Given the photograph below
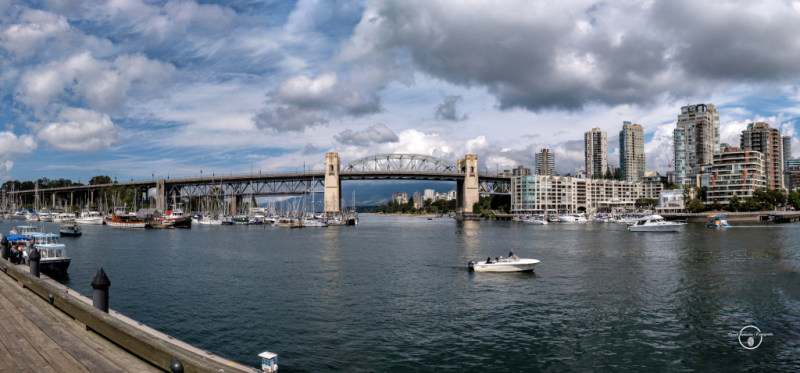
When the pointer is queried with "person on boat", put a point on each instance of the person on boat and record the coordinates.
(489, 260)
(511, 255)
(496, 260)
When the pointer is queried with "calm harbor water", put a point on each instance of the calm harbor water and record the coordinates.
(394, 294)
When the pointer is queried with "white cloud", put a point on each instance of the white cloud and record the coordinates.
(80, 130)
(172, 19)
(106, 85)
(12, 145)
(33, 30)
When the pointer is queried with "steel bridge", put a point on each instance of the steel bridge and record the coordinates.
(236, 186)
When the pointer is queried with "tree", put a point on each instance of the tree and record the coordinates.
(734, 204)
(100, 179)
(695, 206)
(476, 208)
(617, 173)
(794, 199)
(608, 175)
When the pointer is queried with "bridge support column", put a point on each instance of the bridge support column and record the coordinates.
(71, 199)
(54, 200)
(161, 196)
(333, 190)
(235, 200)
(467, 190)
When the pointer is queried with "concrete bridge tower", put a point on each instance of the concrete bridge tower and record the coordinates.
(467, 190)
(333, 190)
(161, 196)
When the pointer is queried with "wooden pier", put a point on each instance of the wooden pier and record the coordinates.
(67, 334)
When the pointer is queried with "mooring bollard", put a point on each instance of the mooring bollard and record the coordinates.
(176, 366)
(4, 246)
(33, 259)
(100, 283)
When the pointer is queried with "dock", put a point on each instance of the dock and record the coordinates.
(67, 334)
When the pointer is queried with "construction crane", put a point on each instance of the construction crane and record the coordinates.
(669, 161)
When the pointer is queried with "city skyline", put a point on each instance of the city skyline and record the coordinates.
(132, 89)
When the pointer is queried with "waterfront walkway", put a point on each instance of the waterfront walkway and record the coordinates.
(37, 337)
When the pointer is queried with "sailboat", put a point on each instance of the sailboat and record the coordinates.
(311, 219)
(209, 219)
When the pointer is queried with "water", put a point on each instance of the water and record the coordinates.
(394, 294)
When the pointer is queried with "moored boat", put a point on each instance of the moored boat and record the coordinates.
(536, 220)
(53, 255)
(125, 221)
(177, 219)
(90, 218)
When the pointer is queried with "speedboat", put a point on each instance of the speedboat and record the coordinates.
(504, 265)
(90, 218)
(655, 223)
(717, 221)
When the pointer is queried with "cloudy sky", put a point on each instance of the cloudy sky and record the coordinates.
(130, 88)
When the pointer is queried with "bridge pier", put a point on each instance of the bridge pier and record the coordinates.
(235, 200)
(333, 189)
(467, 191)
(161, 196)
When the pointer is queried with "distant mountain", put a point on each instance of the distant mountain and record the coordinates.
(374, 193)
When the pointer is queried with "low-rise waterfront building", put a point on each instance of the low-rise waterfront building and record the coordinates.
(670, 201)
(735, 172)
(539, 194)
(792, 175)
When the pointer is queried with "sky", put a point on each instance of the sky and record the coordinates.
(133, 89)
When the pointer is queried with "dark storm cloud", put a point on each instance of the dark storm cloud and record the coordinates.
(565, 55)
(447, 109)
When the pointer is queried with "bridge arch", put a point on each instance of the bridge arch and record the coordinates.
(402, 162)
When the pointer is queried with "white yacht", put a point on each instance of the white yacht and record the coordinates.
(45, 216)
(31, 216)
(90, 218)
(504, 265)
(311, 222)
(209, 220)
(536, 220)
(572, 218)
(655, 223)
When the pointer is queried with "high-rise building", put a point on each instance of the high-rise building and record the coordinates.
(596, 152)
(631, 151)
(545, 163)
(696, 139)
(418, 203)
(767, 140)
(787, 148)
(429, 194)
(735, 172)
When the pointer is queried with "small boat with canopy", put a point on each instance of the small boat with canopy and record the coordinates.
(717, 221)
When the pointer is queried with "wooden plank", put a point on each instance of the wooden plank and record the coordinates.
(67, 334)
(55, 356)
(8, 362)
(19, 347)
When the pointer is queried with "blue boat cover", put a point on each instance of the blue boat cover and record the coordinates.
(16, 237)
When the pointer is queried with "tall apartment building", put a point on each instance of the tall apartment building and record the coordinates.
(520, 171)
(787, 148)
(418, 202)
(631, 151)
(545, 163)
(696, 139)
(596, 152)
(429, 194)
(735, 172)
(767, 140)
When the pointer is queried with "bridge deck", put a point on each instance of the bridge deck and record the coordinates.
(37, 337)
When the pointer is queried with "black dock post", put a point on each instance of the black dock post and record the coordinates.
(33, 261)
(4, 246)
(176, 366)
(100, 283)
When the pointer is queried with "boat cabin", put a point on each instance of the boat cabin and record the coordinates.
(27, 230)
(716, 221)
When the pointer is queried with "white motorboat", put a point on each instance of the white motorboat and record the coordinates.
(45, 216)
(209, 220)
(504, 265)
(90, 218)
(655, 223)
(553, 219)
(70, 228)
(574, 218)
(535, 221)
(310, 222)
(32, 216)
(53, 254)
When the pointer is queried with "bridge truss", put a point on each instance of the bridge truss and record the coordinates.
(401, 162)
(289, 187)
